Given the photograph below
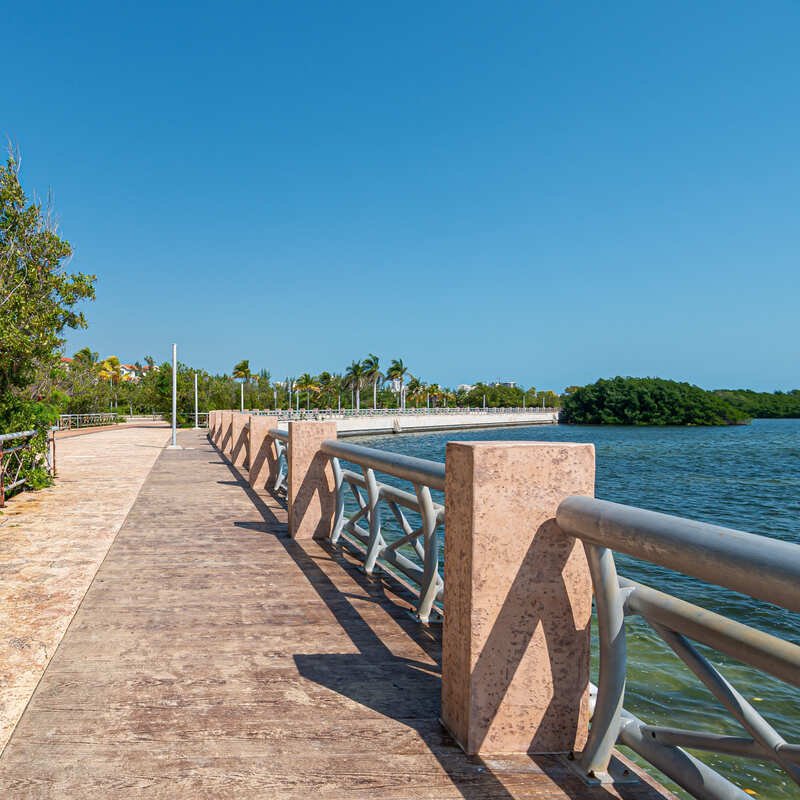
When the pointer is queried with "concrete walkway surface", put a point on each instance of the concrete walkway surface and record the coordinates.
(51, 544)
(214, 657)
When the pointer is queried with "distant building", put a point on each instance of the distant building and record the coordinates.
(465, 387)
(65, 362)
(506, 384)
(129, 372)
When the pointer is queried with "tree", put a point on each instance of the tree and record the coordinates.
(38, 297)
(416, 390)
(397, 372)
(305, 383)
(111, 372)
(242, 373)
(242, 370)
(647, 401)
(372, 372)
(354, 379)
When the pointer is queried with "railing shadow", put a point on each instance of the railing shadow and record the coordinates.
(408, 690)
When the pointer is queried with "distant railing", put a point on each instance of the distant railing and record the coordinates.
(414, 552)
(763, 568)
(13, 449)
(68, 422)
(332, 413)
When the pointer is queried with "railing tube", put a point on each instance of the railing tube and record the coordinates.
(613, 652)
(375, 539)
(430, 576)
(338, 520)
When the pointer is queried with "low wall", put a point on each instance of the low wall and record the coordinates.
(352, 426)
(408, 423)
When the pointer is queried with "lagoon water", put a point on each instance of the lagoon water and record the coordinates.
(745, 477)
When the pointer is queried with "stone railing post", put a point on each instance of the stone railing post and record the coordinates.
(311, 489)
(212, 425)
(263, 458)
(517, 598)
(226, 433)
(239, 439)
(214, 432)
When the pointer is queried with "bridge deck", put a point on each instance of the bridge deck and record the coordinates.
(214, 657)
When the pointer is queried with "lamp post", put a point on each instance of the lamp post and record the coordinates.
(196, 416)
(174, 445)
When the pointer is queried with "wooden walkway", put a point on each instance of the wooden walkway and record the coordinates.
(213, 657)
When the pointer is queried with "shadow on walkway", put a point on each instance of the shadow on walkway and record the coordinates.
(405, 689)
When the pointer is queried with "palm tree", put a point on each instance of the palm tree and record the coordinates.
(305, 383)
(242, 372)
(86, 358)
(354, 378)
(110, 371)
(416, 390)
(397, 372)
(372, 372)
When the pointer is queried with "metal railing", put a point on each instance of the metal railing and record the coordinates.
(13, 449)
(763, 568)
(414, 551)
(70, 421)
(281, 454)
(344, 413)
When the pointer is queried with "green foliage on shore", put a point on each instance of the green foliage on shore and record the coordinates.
(647, 401)
(763, 405)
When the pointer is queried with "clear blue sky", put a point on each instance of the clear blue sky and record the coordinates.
(550, 192)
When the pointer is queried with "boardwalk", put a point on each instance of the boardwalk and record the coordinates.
(213, 657)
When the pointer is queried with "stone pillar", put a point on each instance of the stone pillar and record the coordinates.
(263, 458)
(239, 443)
(517, 598)
(311, 489)
(225, 434)
(212, 425)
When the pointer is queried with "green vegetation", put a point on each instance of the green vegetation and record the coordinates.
(38, 300)
(763, 405)
(647, 401)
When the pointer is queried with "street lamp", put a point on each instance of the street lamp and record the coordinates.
(174, 445)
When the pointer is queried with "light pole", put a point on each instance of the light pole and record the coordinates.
(174, 445)
(196, 426)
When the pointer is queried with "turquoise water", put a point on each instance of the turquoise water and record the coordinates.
(745, 477)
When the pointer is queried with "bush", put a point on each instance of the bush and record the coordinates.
(647, 401)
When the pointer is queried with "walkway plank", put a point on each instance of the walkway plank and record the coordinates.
(213, 657)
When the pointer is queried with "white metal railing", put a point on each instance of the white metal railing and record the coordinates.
(766, 569)
(344, 413)
(69, 421)
(17, 454)
(763, 568)
(413, 551)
